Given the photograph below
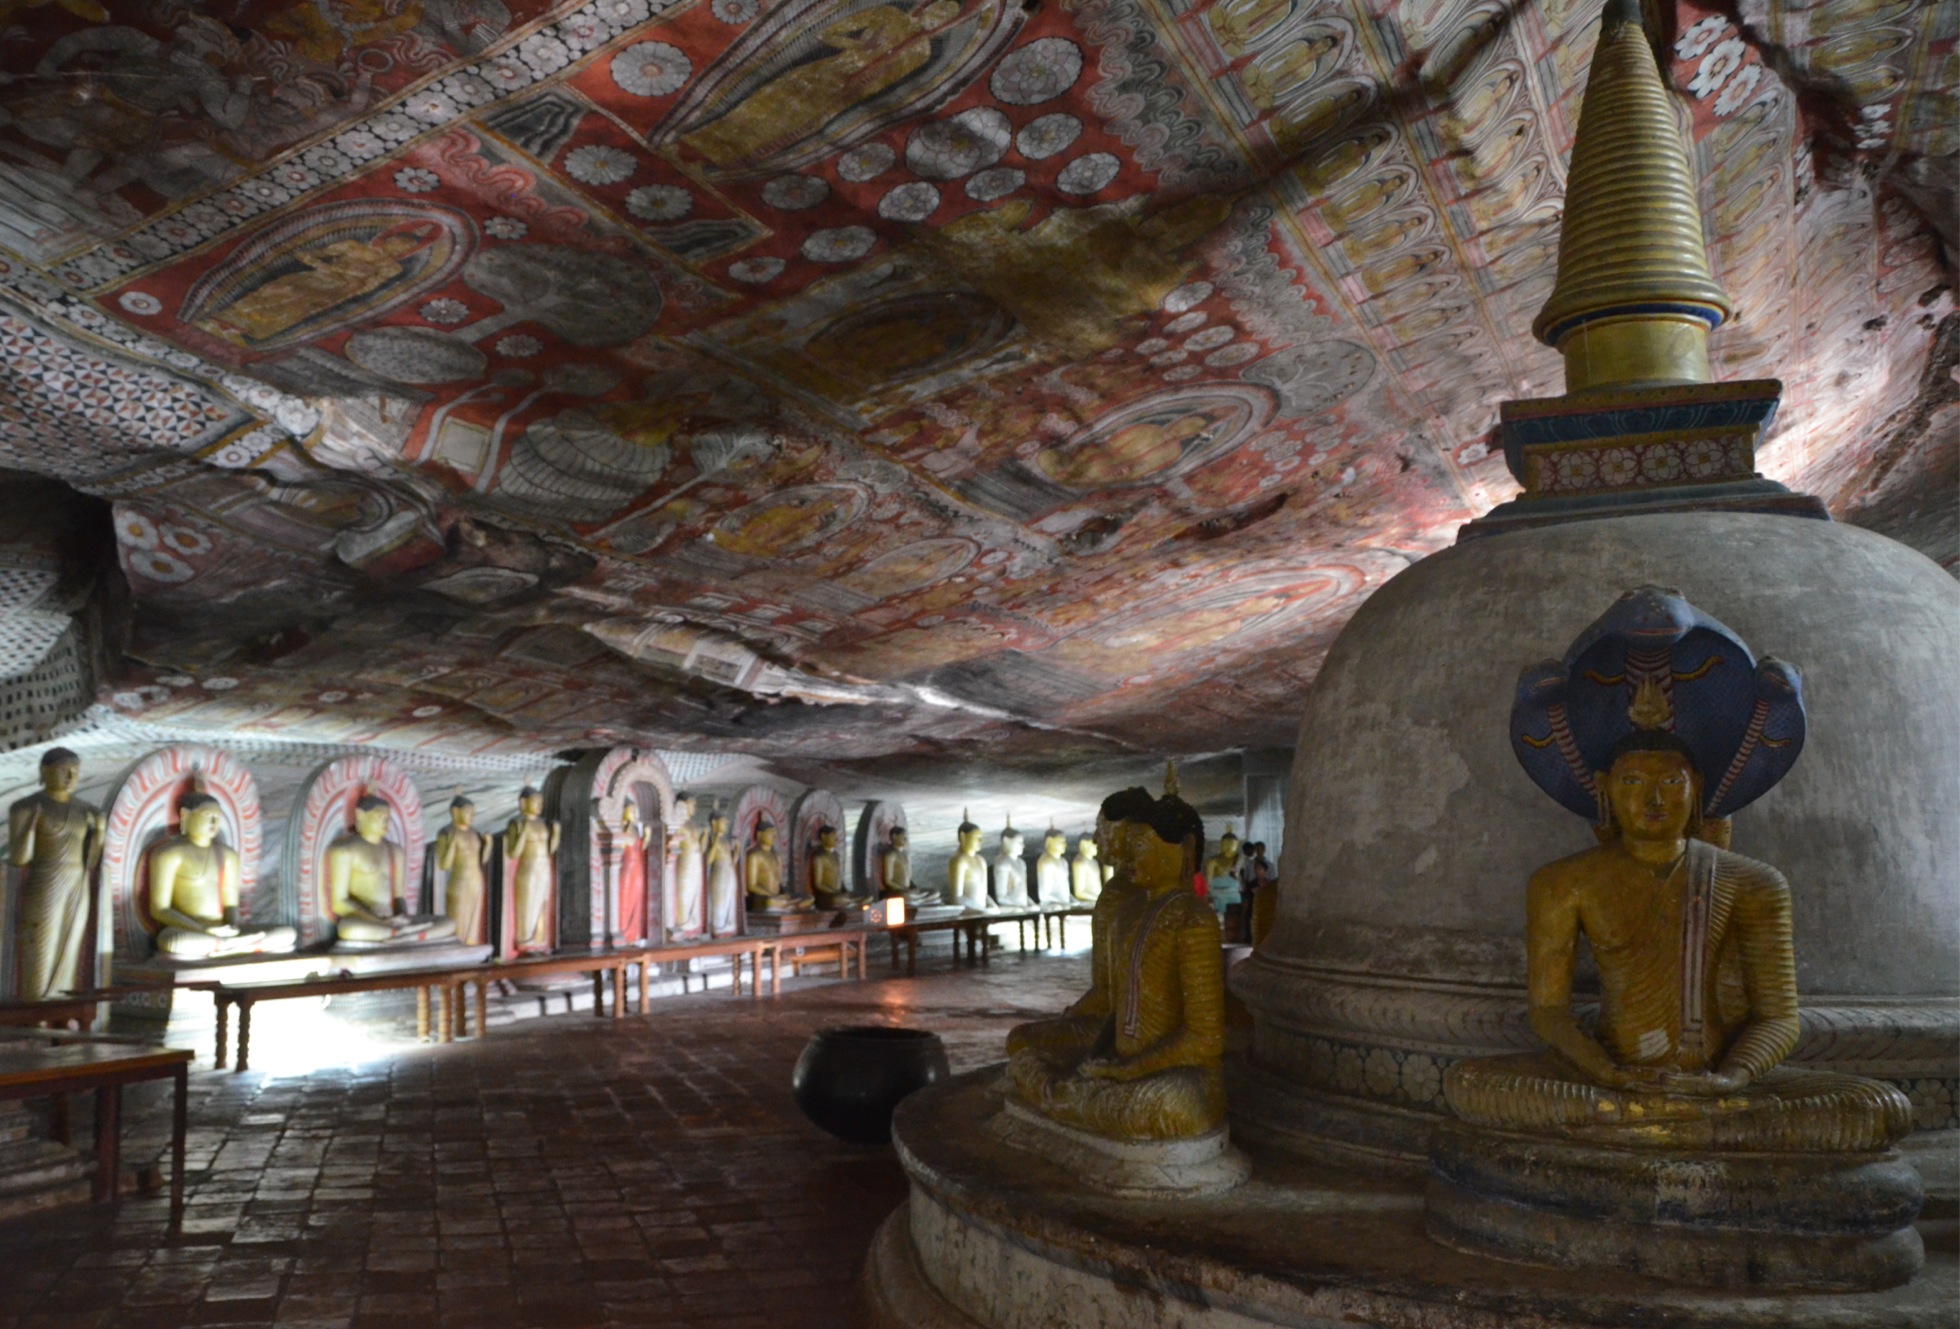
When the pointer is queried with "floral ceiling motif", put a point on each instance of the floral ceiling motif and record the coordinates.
(832, 378)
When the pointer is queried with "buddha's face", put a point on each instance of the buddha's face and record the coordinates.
(1085, 847)
(969, 842)
(1011, 843)
(765, 837)
(898, 841)
(1652, 794)
(1228, 846)
(1055, 844)
(718, 825)
(461, 815)
(683, 810)
(629, 812)
(371, 824)
(201, 823)
(60, 778)
(532, 805)
(1152, 860)
(827, 840)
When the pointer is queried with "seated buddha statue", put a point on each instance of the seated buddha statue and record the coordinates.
(366, 880)
(827, 872)
(1086, 875)
(762, 875)
(895, 871)
(1010, 870)
(1698, 992)
(194, 882)
(1669, 1138)
(1051, 876)
(1222, 873)
(1066, 1038)
(966, 872)
(1154, 1070)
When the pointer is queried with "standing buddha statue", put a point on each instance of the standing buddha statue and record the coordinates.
(723, 891)
(530, 860)
(463, 857)
(687, 887)
(56, 841)
(1222, 873)
(633, 839)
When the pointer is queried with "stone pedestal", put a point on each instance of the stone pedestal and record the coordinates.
(1742, 1221)
(994, 1237)
(1205, 1165)
(37, 1174)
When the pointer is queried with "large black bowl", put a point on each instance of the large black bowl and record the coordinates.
(849, 1080)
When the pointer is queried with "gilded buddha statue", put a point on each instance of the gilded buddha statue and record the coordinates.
(1051, 875)
(762, 875)
(194, 891)
(827, 872)
(531, 863)
(1066, 1038)
(1657, 725)
(1155, 1068)
(1086, 875)
(367, 879)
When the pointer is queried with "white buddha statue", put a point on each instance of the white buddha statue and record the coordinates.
(1011, 870)
(966, 872)
(1051, 872)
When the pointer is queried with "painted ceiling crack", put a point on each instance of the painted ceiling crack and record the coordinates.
(837, 379)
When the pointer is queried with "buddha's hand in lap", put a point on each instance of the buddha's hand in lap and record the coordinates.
(1703, 1084)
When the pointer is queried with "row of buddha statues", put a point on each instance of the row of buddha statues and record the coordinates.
(1656, 727)
(979, 885)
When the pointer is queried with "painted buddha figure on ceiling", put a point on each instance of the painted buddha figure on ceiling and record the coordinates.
(367, 884)
(194, 891)
(1154, 1070)
(1644, 725)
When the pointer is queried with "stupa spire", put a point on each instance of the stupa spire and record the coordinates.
(1634, 300)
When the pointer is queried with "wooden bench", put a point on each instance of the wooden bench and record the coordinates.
(78, 1007)
(755, 948)
(56, 1072)
(845, 941)
(245, 995)
(601, 963)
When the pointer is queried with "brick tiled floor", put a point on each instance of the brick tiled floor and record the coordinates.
(565, 1172)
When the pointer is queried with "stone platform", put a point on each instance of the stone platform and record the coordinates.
(993, 1238)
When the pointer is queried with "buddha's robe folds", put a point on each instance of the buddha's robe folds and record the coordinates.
(1699, 975)
(1163, 1042)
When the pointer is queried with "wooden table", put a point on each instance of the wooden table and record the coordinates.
(52, 1010)
(245, 995)
(105, 1068)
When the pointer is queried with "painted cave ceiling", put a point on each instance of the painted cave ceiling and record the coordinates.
(841, 379)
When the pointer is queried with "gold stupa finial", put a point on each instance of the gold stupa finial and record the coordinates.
(1634, 300)
(1170, 779)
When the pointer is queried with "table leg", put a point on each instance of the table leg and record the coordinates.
(445, 1016)
(179, 1128)
(422, 1014)
(224, 1018)
(108, 1141)
(482, 1005)
(619, 991)
(775, 971)
(598, 994)
(985, 936)
(244, 1034)
(644, 966)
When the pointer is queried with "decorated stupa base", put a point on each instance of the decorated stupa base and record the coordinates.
(1665, 448)
(995, 1238)
(1716, 1219)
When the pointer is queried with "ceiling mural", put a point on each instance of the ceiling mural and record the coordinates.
(839, 378)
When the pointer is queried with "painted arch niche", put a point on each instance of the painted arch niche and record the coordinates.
(597, 859)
